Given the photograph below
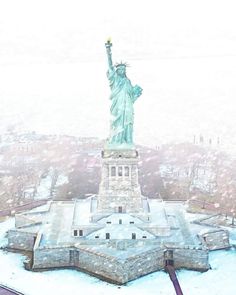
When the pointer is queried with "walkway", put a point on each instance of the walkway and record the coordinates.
(8, 291)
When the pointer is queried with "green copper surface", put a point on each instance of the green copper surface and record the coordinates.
(123, 95)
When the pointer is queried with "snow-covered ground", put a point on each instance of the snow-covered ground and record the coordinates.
(44, 188)
(62, 179)
(45, 185)
(220, 280)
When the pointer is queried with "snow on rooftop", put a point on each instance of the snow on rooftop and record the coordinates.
(40, 209)
(115, 219)
(158, 214)
(57, 229)
(82, 212)
(121, 231)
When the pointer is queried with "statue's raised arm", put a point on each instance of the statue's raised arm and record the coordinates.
(108, 45)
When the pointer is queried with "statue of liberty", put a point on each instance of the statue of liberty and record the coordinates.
(123, 95)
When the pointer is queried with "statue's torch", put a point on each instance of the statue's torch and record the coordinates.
(108, 43)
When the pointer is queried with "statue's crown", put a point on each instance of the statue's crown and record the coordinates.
(121, 64)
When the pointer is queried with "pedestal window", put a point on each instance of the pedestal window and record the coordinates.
(113, 171)
(127, 171)
(120, 209)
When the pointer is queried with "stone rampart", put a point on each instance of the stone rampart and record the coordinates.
(21, 240)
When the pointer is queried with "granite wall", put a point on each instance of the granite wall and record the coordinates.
(113, 268)
(21, 240)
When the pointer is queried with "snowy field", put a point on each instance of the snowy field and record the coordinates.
(218, 281)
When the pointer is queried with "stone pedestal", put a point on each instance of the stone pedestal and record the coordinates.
(119, 189)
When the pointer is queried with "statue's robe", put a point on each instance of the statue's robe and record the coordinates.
(122, 111)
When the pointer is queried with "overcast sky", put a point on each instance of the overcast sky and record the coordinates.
(182, 53)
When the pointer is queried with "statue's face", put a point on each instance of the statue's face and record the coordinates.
(121, 71)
